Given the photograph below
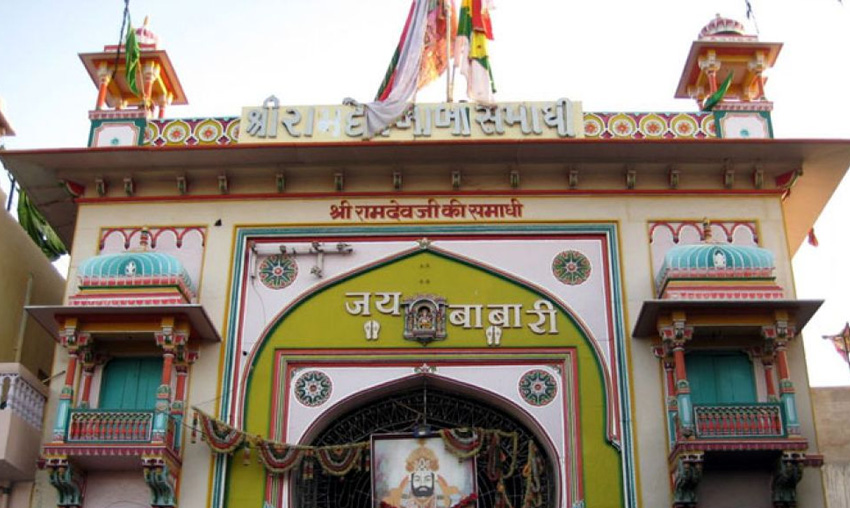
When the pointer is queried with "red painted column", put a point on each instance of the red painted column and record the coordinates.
(85, 396)
(167, 366)
(768, 380)
(71, 372)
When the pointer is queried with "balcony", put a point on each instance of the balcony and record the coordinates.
(759, 429)
(102, 439)
(22, 399)
(739, 421)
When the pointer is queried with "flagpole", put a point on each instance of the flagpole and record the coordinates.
(449, 63)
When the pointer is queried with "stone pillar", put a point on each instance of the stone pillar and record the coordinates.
(710, 66)
(104, 77)
(77, 344)
(778, 336)
(173, 343)
(674, 338)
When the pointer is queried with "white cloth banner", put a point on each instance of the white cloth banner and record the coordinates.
(379, 115)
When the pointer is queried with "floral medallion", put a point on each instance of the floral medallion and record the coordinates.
(622, 126)
(684, 126)
(571, 267)
(593, 125)
(278, 271)
(313, 388)
(653, 126)
(538, 387)
(176, 132)
(208, 131)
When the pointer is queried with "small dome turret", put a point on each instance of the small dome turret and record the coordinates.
(716, 271)
(137, 278)
(720, 26)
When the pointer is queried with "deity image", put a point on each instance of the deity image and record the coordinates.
(423, 486)
(424, 319)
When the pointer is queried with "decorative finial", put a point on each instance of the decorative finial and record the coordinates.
(144, 237)
(148, 19)
(706, 230)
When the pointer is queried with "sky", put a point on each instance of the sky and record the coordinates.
(614, 55)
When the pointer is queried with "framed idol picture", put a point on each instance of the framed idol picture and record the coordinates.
(418, 472)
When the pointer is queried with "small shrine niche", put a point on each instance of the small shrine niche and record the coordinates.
(425, 319)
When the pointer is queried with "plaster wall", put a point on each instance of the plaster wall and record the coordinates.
(20, 261)
(831, 406)
(735, 489)
(116, 489)
(18, 447)
(21, 495)
(631, 213)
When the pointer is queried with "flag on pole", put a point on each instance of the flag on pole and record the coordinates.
(717, 96)
(473, 31)
(132, 55)
(402, 78)
(435, 57)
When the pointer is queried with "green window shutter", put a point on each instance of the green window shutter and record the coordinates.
(130, 383)
(720, 378)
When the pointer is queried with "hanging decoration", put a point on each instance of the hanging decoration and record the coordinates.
(532, 473)
(339, 460)
(462, 443)
(279, 458)
(221, 437)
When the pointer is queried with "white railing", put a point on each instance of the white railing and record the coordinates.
(21, 393)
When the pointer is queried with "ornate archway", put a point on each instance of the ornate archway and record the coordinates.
(422, 408)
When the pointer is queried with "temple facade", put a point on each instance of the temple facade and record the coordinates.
(521, 305)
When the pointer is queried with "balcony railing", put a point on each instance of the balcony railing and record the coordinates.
(21, 393)
(737, 421)
(103, 426)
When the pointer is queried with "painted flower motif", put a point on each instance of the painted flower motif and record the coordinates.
(590, 128)
(176, 134)
(571, 267)
(313, 388)
(278, 271)
(538, 387)
(653, 128)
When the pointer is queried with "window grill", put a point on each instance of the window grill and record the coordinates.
(404, 412)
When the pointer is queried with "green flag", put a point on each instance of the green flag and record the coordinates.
(717, 96)
(132, 55)
(38, 228)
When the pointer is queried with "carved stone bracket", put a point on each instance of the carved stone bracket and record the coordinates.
(686, 477)
(67, 480)
(788, 473)
(161, 479)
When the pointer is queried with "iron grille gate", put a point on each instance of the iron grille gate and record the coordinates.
(401, 413)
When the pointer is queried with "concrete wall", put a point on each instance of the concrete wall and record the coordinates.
(21, 262)
(832, 416)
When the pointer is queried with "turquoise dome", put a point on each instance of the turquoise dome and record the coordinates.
(133, 265)
(717, 259)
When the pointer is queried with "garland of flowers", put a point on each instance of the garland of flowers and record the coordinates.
(339, 460)
(221, 437)
(279, 458)
(532, 473)
(462, 443)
